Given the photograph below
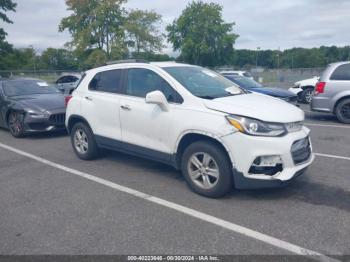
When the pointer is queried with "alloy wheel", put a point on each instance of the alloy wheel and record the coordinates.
(15, 124)
(203, 170)
(81, 142)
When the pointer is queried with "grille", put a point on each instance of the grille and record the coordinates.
(58, 119)
(301, 150)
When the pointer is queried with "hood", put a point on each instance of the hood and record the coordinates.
(41, 103)
(257, 106)
(273, 91)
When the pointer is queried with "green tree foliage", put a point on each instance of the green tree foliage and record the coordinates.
(94, 24)
(58, 59)
(5, 6)
(143, 31)
(201, 35)
(107, 26)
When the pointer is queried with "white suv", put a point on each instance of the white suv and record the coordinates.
(192, 118)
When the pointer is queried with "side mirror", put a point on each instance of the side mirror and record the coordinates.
(158, 98)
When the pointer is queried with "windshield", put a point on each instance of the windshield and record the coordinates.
(202, 82)
(244, 82)
(27, 87)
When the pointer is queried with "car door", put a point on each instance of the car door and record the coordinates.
(101, 103)
(145, 127)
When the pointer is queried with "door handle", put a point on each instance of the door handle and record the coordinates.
(125, 107)
(88, 98)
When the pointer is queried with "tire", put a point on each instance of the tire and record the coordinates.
(83, 142)
(198, 178)
(15, 124)
(342, 111)
(306, 96)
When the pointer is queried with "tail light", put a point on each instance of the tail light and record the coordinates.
(66, 100)
(320, 86)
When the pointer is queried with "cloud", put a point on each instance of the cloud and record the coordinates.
(269, 24)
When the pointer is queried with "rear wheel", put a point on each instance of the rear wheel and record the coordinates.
(15, 124)
(342, 111)
(306, 95)
(207, 169)
(83, 142)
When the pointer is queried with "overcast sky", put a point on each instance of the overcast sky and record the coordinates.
(269, 24)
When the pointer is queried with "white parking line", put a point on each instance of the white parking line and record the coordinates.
(324, 125)
(333, 156)
(183, 209)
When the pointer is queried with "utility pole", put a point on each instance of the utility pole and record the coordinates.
(34, 63)
(257, 54)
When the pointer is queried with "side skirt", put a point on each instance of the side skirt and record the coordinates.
(116, 145)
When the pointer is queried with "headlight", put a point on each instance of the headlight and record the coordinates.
(35, 114)
(256, 127)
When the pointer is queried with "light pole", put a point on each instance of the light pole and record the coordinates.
(34, 64)
(257, 54)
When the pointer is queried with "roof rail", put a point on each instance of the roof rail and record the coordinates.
(126, 61)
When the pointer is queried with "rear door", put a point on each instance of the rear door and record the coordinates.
(101, 103)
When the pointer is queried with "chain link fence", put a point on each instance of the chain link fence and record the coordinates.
(275, 77)
(48, 75)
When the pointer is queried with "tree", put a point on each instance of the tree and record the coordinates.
(202, 36)
(5, 6)
(142, 31)
(94, 24)
(58, 59)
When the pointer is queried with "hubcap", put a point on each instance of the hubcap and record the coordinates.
(203, 170)
(81, 143)
(346, 111)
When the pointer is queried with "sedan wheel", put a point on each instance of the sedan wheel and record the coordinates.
(203, 170)
(15, 124)
(306, 96)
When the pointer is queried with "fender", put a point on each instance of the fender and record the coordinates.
(204, 133)
(69, 127)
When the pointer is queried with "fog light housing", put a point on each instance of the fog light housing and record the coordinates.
(266, 165)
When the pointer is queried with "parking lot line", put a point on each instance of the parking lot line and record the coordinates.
(180, 208)
(323, 125)
(333, 156)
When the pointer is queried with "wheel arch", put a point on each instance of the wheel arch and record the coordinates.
(193, 136)
(339, 100)
(73, 119)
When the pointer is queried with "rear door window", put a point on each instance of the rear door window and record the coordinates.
(341, 73)
(108, 81)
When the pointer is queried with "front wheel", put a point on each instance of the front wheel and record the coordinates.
(83, 142)
(207, 169)
(306, 96)
(15, 124)
(342, 111)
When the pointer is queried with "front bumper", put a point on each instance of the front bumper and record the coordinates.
(244, 150)
(48, 122)
(295, 90)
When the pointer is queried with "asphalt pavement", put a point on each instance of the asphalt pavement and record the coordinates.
(50, 210)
